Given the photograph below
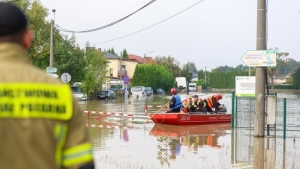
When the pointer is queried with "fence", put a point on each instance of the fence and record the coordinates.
(284, 135)
(131, 117)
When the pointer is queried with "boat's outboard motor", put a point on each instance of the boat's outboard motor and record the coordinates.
(223, 110)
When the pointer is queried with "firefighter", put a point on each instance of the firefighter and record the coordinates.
(186, 104)
(175, 102)
(212, 103)
(41, 125)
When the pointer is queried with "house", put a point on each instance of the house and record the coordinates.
(279, 80)
(118, 68)
(140, 59)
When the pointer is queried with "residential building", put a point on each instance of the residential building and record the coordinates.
(118, 68)
(141, 60)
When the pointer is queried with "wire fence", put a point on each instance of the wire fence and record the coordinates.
(283, 139)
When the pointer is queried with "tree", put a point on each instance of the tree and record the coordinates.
(170, 63)
(187, 73)
(281, 60)
(112, 51)
(96, 71)
(296, 78)
(125, 54)
(154, 75)
(69, 58)
(191, 67)
(39, 50)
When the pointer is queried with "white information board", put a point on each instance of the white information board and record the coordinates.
(245, 86)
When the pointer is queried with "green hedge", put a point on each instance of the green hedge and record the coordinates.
(282, 87)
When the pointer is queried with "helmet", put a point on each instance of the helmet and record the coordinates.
(173, 91)
(219, 96)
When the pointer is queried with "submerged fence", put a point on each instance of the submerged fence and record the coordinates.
(287, 115)
(284, 137)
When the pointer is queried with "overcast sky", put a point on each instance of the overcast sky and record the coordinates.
(212, 33)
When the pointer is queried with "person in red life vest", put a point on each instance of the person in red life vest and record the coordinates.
(175, 102)
(186, 103)
(212, 103)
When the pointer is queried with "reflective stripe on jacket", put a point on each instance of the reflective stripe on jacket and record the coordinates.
(209, 101)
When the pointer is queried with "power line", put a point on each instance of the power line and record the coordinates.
(148, 26)
(108, 25)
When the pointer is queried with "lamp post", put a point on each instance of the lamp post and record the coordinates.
(145, 56)
(51, 40)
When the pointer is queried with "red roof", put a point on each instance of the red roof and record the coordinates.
(140, 59)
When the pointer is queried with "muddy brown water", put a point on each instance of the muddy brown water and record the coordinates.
(129, 142)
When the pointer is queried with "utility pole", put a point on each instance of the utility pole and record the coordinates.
(51, 44)
(205, 76)
(121, 71)
(259, 114)
(51, 40)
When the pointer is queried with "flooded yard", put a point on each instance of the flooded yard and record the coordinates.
(135, 142)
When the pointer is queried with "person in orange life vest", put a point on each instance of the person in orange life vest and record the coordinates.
(186, 103)
(175, 102)
(213, 103)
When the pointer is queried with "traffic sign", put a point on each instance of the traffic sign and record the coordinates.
(51, 70)
(52, 75)
(65, 77)
(260, 58)
(126, 79)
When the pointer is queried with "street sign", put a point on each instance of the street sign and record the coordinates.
(126, 79)
(51, 70)
(260, 58)
(65, 77)
(245, 86)
(52, 75)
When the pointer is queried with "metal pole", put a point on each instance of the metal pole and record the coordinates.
(205, 76)
(284, 118)
(249, 71)
(259, 114)
(51, 44)
(121, 71)
(232, 109)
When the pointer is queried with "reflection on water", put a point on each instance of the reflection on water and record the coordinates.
(176, 142)
(146, 145)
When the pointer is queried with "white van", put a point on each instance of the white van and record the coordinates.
(138, 92)
(181, 83)
(192, 87)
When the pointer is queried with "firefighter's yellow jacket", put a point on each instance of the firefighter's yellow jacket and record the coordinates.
(41, 126)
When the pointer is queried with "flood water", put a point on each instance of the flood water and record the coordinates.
(134, 142)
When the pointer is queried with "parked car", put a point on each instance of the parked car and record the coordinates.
(138, 92)
(159, 91)
(106, 94)
(193, 87)
(149, 91)
(78, 94)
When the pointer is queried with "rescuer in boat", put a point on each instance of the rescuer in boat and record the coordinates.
(41, 125)
(197, 104)
(175, 102)
(213, 103)
(186, 104)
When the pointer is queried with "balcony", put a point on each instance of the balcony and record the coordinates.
(122, 73)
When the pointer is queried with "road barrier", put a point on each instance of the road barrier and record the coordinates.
(153, 108)
(133, 117)
(110, 126)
